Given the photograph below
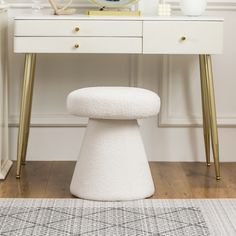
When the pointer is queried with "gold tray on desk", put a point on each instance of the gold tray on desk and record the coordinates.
(114, 8)
(113, 13)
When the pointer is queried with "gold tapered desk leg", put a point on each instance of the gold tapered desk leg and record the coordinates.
(25, 113)
(205, 109)
(213, 119)
(208, 87)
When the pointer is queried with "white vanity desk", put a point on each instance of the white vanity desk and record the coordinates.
(132, 35)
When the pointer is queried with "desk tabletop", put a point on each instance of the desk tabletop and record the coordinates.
(120, 18)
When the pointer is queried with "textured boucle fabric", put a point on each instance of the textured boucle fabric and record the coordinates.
(112, 163)
(113, 103)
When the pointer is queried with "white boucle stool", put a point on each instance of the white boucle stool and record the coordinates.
(112, 164)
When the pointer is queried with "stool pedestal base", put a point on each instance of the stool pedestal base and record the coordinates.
(112, 164)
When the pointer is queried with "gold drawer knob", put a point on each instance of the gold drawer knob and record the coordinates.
(77, 29)
(76, 45)
(183, 38)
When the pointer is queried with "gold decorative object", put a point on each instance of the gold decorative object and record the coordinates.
(113, 13)
(62, 10)
(114, 8)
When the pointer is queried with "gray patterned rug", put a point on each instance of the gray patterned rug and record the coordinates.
(148, 217)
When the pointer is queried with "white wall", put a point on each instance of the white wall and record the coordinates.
(176, 137)
(5, 163)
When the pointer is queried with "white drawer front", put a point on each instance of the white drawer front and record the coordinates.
(84, 45)
(77, 28)
(181, 37)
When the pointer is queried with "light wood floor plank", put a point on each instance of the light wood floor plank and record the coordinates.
(172, 180)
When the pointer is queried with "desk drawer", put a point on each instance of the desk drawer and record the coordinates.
(77, 28)
(84, 45)
(181, 37)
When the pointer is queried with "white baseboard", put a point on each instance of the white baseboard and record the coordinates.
(6, 166)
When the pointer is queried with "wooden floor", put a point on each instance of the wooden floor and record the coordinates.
(172, 180)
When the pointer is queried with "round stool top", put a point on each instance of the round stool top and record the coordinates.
(113, 103)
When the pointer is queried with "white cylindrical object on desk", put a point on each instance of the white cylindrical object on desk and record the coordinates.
(193, 7)
(164, 9)
(3, 5)
(36, 6)
(148, 7)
